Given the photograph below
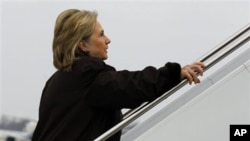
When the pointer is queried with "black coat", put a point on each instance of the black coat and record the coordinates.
(83, 103)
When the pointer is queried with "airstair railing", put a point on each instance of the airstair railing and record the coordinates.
(236, 41)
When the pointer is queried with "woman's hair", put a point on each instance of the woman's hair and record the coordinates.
(71, 27)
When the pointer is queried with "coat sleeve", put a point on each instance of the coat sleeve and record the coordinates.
(126, 89)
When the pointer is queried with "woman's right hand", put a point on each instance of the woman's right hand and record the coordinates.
(191, 72)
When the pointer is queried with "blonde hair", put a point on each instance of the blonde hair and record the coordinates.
(71, 26)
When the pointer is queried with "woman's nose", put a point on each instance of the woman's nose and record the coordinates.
(108, 41)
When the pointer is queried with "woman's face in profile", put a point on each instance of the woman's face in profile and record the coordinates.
(98, 43)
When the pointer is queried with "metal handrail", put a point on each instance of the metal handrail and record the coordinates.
(136, 113)
(210, 54)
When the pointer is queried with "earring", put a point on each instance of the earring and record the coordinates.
(86, 51)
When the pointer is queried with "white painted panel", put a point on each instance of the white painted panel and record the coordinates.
(208, 116)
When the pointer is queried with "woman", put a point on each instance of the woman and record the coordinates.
(84, 98)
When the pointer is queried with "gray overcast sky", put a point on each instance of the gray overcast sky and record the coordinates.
(142, 34)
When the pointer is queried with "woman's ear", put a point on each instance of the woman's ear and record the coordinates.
(83, 46)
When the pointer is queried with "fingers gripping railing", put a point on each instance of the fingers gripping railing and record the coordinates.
(236, 41)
